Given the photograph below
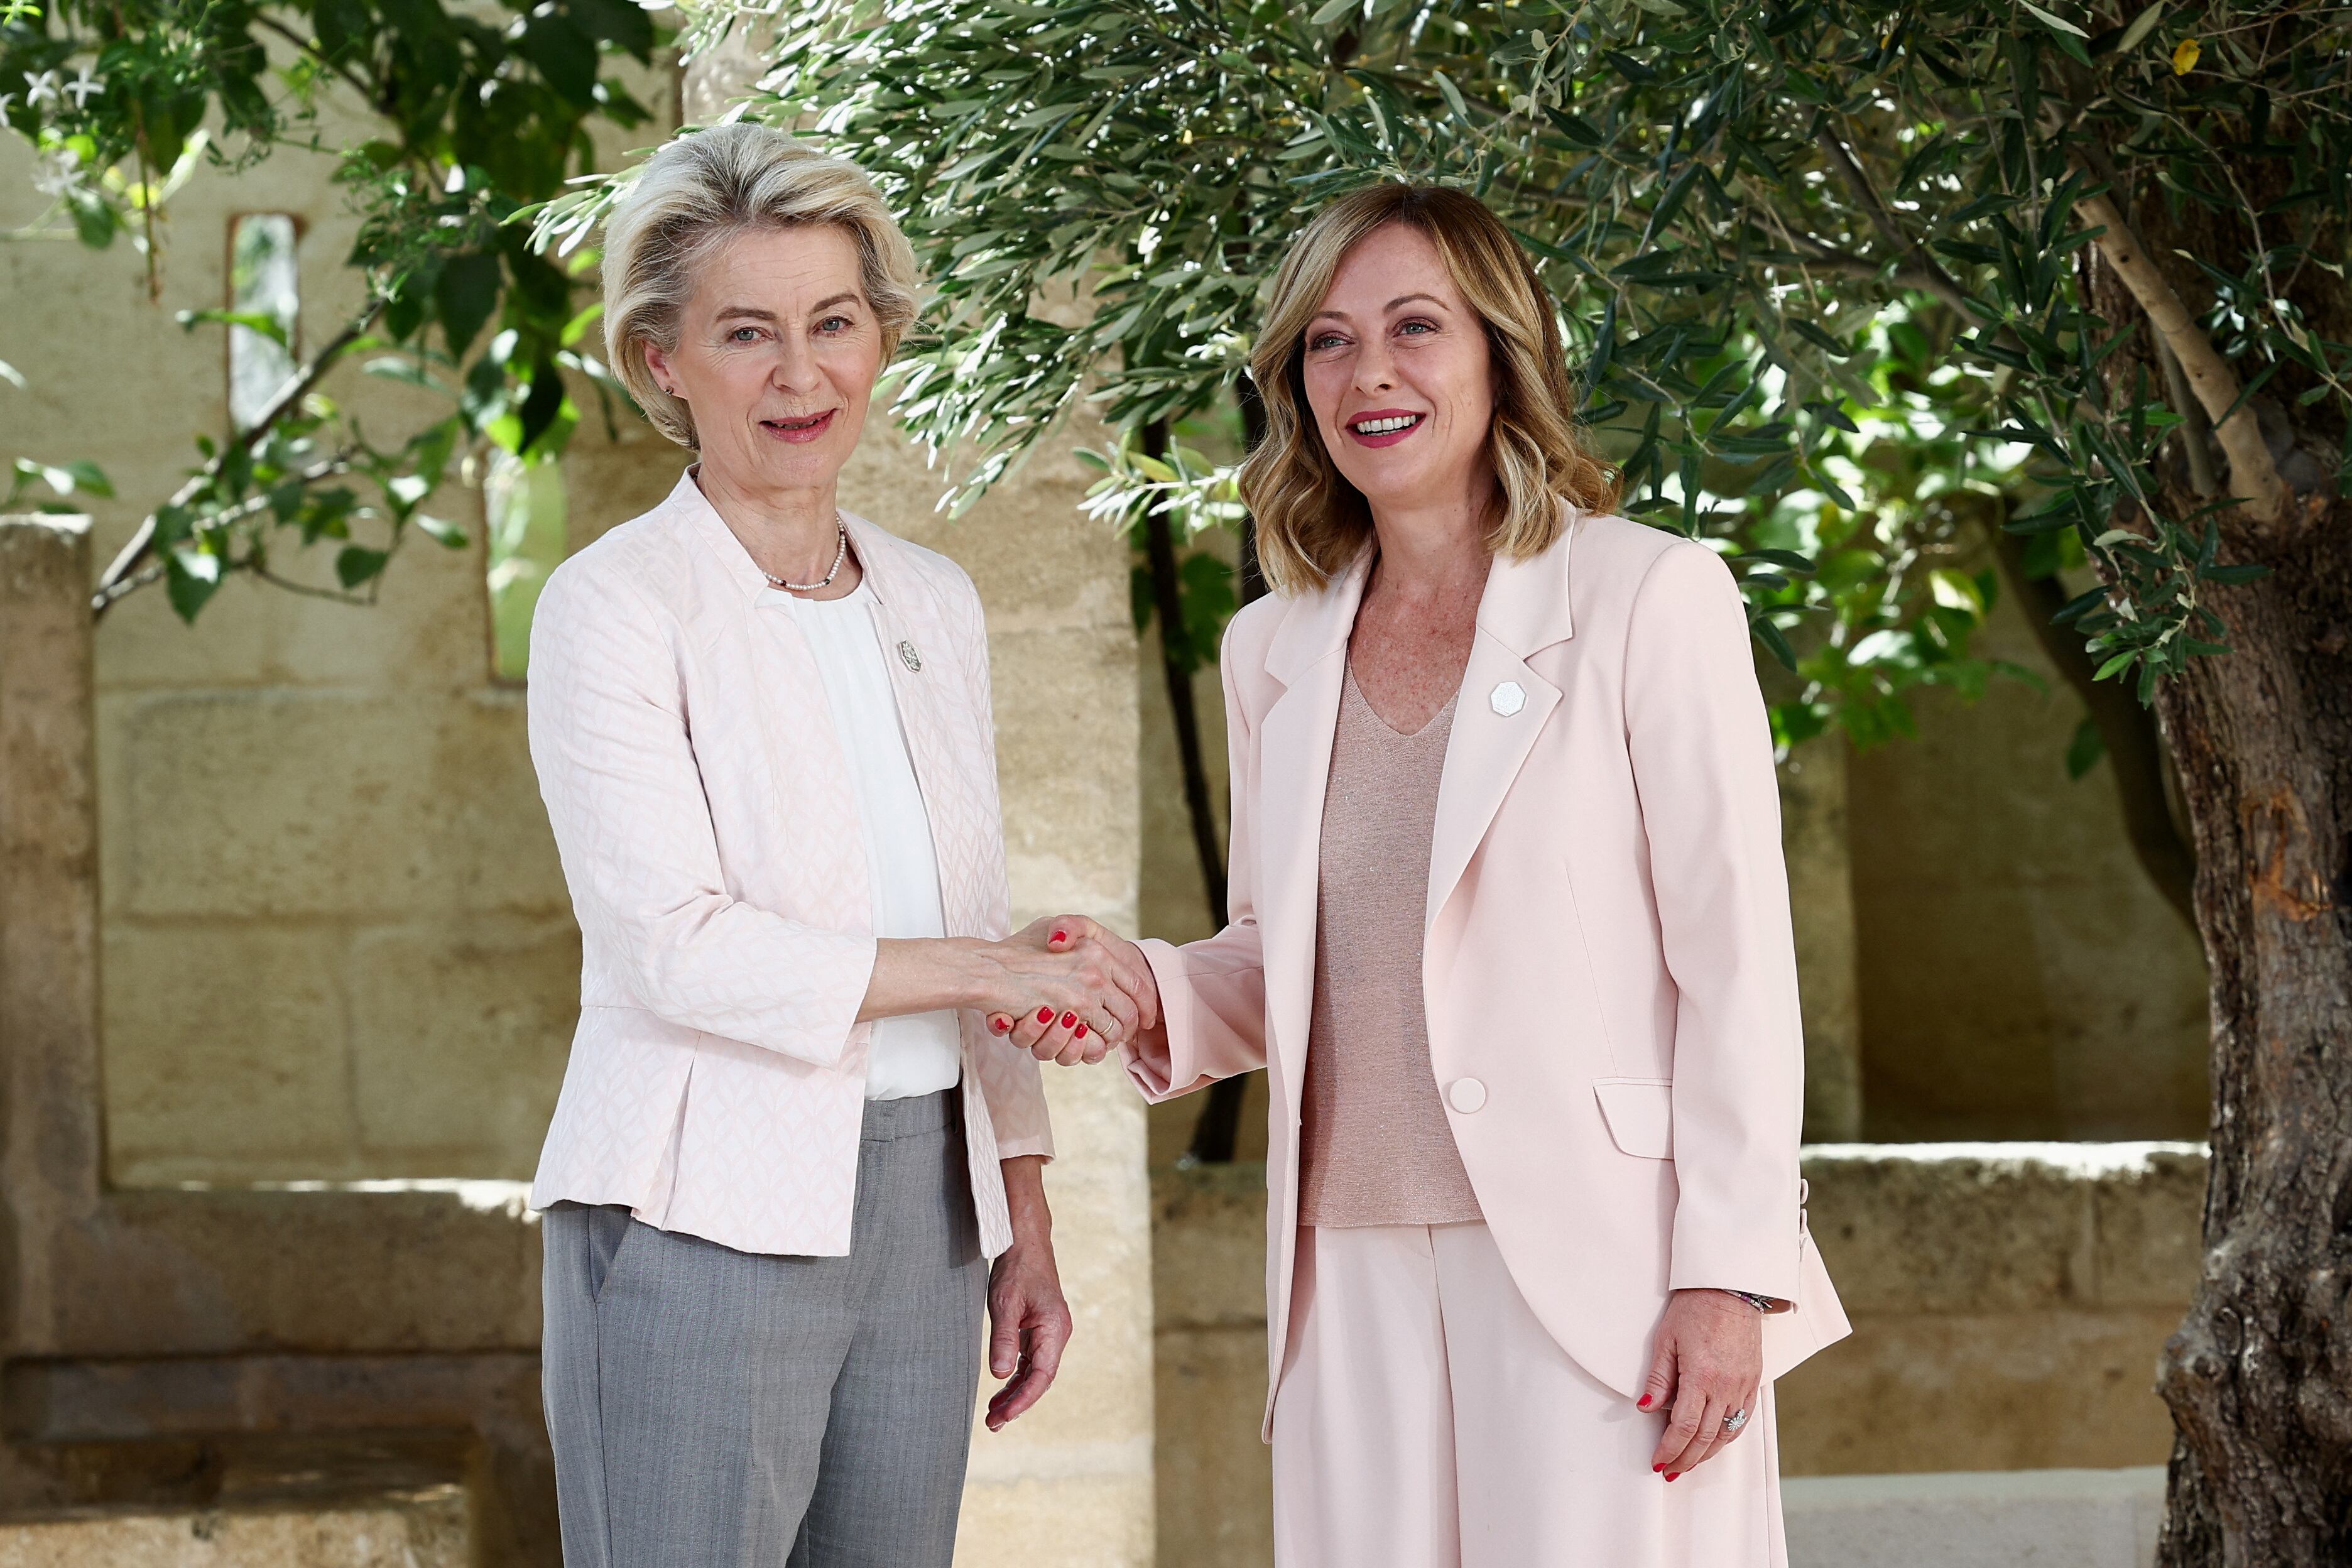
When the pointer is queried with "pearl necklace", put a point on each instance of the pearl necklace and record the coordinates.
(840, 554)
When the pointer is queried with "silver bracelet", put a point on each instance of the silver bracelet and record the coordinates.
(1761, 1303)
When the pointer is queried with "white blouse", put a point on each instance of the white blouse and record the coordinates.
(917, 1053)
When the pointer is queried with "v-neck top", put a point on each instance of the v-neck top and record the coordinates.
(917, 1053)
(1375, 1147)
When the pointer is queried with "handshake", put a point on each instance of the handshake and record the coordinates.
(1068, 990)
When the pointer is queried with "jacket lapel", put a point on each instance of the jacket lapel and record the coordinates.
(1309, 656)
(1504, 706)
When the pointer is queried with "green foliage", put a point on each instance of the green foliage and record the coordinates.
(1206, 586)
(525, 506)
(1184, 485)
(478, 111)
(290, 481)
(27, 476)
(1734, 200)
(1880, 555)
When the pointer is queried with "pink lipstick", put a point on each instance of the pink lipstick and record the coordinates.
(802, 428)
(1384, 426)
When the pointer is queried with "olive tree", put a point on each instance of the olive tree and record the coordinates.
(472, 112)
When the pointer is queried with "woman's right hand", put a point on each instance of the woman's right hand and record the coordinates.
(1073, 990)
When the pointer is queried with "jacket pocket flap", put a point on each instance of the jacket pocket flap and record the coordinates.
(1641, 1114)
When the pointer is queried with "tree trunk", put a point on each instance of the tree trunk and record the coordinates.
(1215, 1131)
(1168, 605)
(2259, 1376)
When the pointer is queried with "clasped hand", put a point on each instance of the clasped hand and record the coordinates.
(1070, 990)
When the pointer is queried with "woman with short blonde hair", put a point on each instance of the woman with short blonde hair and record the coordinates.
(1510, 934)
(799, 1121)
(703, 190)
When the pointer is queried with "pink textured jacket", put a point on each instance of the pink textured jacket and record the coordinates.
(709, 837)
(1609, 971)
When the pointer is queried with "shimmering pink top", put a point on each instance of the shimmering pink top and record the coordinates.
(1374, 1144)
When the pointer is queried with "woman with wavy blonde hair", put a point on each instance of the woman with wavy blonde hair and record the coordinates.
(1511, 932)
(1311, 521)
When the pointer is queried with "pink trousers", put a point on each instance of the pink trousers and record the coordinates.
(1426, 1419)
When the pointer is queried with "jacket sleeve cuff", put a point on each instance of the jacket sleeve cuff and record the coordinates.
(1012, 1087)
(1039, 1143)
(1160, 1062)
(1744, 1265)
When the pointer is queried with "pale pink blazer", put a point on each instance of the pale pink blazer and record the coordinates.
(1610, 978)
(709, 837)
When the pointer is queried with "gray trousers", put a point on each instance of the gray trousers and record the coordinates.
(712, 1409)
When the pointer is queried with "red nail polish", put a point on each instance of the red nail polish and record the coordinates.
(1082, 1031)
(999, 1024)
(1061, 936)
(1044, 1015)
(1644, 1403)
(1676, 1475)
(1069, 1019)
(1656, 1469)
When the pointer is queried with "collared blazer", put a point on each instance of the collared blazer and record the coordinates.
(1608, 968)
(710, 835)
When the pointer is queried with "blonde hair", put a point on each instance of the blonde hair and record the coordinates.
(705, 188)
(1311, 522)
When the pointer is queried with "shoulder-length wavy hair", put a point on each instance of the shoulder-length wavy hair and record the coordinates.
(1311, 522)
(700, 191)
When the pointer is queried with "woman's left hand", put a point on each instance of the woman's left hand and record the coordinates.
(1709, 1363)
(1029, 1320)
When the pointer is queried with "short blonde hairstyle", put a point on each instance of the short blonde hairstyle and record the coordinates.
(704, 188)
(1311, 522)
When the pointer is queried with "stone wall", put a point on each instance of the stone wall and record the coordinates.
(2008, 1301)
(337, 942)
(2018, 976)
